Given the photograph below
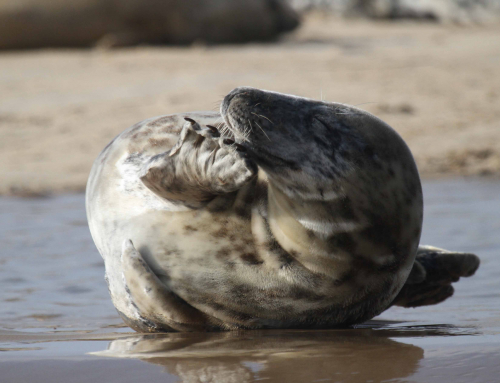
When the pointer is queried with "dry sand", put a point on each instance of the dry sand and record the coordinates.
(437, 85)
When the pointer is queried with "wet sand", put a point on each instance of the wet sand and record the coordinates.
(57, 323)
(438, 85)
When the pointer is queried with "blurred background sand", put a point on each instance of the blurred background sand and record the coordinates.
(436, 83)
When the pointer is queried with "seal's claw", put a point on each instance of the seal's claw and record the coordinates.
(214, 131)
(189, 132)
(193, 124)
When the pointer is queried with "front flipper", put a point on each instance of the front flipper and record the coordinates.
(433, 273)
(159, 308)
(201, 166)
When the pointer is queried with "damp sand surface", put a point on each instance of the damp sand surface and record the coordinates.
(57, 323)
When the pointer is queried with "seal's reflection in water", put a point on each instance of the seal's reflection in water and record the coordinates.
(353, 355)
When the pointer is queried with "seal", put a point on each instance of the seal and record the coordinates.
(277, 212)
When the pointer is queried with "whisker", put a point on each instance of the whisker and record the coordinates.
(262, 117)
(262, 130)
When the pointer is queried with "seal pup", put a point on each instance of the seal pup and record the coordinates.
(284, 213)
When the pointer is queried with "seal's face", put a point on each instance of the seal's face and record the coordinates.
(278, 135)
(290, 135)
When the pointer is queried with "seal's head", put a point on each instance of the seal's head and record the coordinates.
(312, 140)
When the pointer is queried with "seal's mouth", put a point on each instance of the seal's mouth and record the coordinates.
(226, 131)
(235, 129)
(238, 125)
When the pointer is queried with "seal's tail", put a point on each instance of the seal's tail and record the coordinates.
(433, 273)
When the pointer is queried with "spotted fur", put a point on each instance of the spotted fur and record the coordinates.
(279, 212)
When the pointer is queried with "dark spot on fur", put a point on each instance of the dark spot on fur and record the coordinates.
(223, 253)
(243, 211)
(190, 229)
(285, 259)
(299, 293)
(242, 291)
(154, 142)
(173, 251)
(344, 278)
(162, 121)
(221, 233)
(135, 127)
(251, 259)
(310, 234)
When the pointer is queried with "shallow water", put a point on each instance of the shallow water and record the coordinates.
(57, 323)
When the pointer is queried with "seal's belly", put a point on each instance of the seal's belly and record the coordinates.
(211, 261)
(215, 263)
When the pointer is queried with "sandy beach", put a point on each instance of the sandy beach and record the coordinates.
(437, 85)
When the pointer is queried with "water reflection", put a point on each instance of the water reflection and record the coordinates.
(355, 355)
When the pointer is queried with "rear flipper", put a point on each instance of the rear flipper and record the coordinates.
(433, 273)
(159, 309)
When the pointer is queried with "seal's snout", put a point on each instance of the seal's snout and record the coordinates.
(240, 93)
(242, 112)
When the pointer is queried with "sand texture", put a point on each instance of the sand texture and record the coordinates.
(437, 85)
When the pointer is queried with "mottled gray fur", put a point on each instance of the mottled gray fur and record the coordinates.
(280, 212)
